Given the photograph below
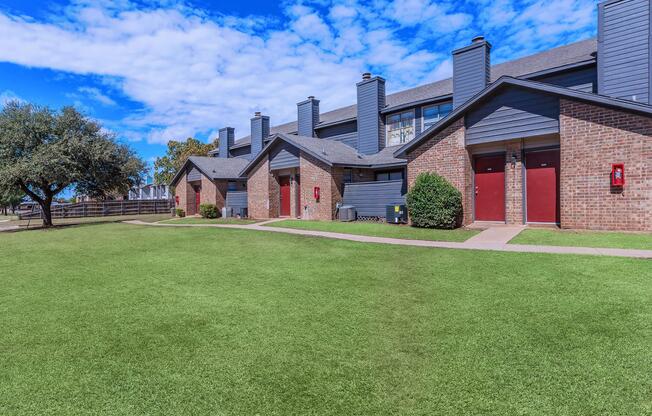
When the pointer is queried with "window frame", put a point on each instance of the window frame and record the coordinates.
(423, 113)
(400, 114)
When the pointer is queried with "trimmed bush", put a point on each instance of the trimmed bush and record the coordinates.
(434, 203)
(180, 212)
(208, 211)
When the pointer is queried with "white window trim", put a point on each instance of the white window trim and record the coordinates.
(414, 125)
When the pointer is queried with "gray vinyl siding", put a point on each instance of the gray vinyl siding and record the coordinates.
(227, 138)
(471, 72)
(417, 121)
(346, 133)
(236, 199)
(241, 152)
(371, 198)
(283, 156)
(585, 79)
(259, 132)
(371, 127)
(194, 175)
(624, 49)
(513, 114)
(307, 117)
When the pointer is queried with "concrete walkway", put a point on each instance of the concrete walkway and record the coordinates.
(492, 240)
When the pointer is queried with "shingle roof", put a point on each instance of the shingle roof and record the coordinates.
(573, 53)
(214, 167)
(331, 152)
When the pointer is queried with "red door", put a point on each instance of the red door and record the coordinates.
(542, 186)
(285, 195)
(197, 198)
(298, 189)
(490, 188)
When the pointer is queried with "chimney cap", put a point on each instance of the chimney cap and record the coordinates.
(311, 97)
(366, 75)
(257, 114)
(477, 39)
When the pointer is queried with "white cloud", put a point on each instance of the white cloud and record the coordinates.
(194, 73)
(7, 96)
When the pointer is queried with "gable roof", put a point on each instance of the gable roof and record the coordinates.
(213, 167)
(330, 152)
(578, 53)
(541, 87)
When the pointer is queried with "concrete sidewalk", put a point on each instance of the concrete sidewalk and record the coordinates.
(493, 240)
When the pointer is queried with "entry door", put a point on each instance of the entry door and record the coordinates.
(490, 188)
(297, 187)
(542, 186)
(197, 198)
(285, 195)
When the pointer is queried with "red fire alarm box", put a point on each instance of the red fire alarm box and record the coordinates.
(176, 199)
(315, 191)
(617, 174)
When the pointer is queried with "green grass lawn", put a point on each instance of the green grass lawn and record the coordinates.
(378, 230)
(117, 319)
(36, 223)
(199, 220)
(584, 239)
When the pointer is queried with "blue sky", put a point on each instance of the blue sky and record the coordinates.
(152, 71)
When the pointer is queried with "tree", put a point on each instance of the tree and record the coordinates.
(178, 152)
(43, 152)
(434, 203)
(10, 197)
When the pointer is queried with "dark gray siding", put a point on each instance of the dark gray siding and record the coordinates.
(624, 49)
(471, 71)
(513, 114)
(371, 126)
(585, 79)
(236, 199)
(346, 133)
(307, 117)
(259, 132)
(194, 174)
(227, 138)
(283, 156)
(371, 198)
(241, 152)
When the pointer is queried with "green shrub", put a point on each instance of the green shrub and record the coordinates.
(434, 203)
(208, 211)
(180, 213)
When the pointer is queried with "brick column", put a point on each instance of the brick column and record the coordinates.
(513, 183)
(316, 173)
(259, 190)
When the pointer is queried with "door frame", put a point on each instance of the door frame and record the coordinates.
(280, 195)
(524, 178)
(475, 156)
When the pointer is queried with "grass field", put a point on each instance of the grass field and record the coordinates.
(36, 223)
(379, 230)
(198, 220)
(117, 319)
(545, 237)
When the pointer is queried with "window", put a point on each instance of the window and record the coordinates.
(400, 128)
(348, 176)
(393, 175)
(233, 186)
(434, 113)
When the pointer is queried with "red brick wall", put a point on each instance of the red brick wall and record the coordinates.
(258, 190)
(592, 138)
(446, 155)
(513, 183)
(315, 173)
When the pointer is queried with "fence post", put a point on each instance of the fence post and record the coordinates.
(122, 207)
(83, 209)
(139, 207)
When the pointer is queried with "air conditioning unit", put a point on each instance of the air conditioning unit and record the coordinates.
(347, 213)
(227, 212)
(396, 214)
(243, 212)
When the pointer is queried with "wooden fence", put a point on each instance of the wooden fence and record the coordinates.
(105, 209)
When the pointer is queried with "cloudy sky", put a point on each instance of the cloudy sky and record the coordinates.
(153, 71)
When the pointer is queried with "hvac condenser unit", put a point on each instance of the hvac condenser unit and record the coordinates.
(346, 213)
(396, 214)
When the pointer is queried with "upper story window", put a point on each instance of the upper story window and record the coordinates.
(392, 175)
(232, 186)
(400, 128)
(432, 114)
(347, 177)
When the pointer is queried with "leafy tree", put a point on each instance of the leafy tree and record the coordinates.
(10, 197)
(178, 152)
(434, 203)
(43, 152)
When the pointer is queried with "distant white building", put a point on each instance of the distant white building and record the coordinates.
(149, 191)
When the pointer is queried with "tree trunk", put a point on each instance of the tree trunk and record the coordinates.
(46, 212)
